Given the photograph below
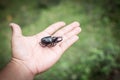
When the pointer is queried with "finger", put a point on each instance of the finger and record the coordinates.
(52, 28)
(67, 43)
(16, 30)
(68, 35)
(67, 29)
(75, 31)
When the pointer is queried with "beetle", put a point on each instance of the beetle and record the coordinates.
(50, 41)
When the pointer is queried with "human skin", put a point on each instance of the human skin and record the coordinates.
(29, 58)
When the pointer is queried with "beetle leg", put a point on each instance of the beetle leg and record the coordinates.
(52, 44)
(49, 45)
(43, 45)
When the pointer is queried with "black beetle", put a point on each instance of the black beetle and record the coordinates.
(50, 41)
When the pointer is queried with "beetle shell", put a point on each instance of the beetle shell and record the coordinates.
(46, 40)
(50, 41)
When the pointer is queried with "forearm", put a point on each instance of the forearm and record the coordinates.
(16, 71)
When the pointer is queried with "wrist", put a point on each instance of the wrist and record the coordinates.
(16, 70)
(22, 69)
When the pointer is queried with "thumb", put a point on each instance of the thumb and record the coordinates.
(16, 30)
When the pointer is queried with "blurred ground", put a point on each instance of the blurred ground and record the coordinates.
(96, 56)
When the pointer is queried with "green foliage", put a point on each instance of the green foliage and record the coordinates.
(93, 57)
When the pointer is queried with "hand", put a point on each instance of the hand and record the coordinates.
(27, 51)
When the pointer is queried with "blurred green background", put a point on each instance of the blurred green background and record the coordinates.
(96, 56)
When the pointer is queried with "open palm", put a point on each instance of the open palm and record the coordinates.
(36, 58)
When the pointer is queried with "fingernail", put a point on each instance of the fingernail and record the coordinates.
(76, 23)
